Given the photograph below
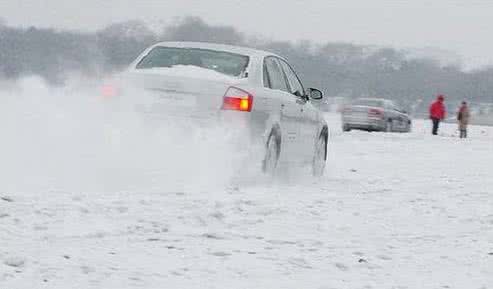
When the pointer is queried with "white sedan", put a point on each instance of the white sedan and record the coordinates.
(236, 85)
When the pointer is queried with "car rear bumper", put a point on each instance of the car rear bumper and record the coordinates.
(363, 123)
(228, 126)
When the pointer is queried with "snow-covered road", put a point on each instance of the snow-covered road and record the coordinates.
(393, 211)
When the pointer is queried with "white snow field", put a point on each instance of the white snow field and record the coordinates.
(84, 204)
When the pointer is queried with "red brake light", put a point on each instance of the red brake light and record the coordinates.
(237, 99)
(108, 91)
(375, 112)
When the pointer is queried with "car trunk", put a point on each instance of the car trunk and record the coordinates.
(165, 94)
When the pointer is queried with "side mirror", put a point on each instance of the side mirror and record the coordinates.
(314, 93)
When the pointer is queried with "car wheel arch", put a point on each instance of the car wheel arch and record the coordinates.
(276, 131)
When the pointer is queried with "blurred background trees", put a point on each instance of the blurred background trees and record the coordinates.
(341, 70)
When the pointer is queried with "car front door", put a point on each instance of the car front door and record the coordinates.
(308, 122)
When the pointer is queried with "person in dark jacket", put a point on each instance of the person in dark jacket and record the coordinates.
(437, 113)
(463, 119)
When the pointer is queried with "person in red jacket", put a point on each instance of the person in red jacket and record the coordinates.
(437, 113)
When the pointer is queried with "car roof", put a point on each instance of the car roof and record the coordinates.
(214, 46)
(371, 98)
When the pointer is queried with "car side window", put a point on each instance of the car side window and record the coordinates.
(295, 85)
(390, 105)
(396, 108)
(275, 77)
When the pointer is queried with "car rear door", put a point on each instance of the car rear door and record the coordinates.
(290, 111)
(399, 120)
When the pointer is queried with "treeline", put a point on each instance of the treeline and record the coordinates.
(339, 69)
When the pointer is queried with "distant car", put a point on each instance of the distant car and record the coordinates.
(254, 92)
(375, 114)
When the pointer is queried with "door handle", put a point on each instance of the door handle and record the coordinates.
(300, 101)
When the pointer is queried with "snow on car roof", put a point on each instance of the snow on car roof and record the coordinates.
(220, 47)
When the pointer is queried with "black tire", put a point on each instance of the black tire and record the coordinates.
(320, 156)
(389, 126)
(272, 153)
(346, 128)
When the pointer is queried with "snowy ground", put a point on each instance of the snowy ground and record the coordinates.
(393, 211)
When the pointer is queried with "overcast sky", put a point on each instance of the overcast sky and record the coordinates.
(461, 26)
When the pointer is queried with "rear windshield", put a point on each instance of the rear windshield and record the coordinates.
(224, 62)
(369, 102)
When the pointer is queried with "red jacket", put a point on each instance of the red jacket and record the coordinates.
(437, 109)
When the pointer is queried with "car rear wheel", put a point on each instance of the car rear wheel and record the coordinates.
(320, 156)
(389, 126)
(272, 152)
(346, 128)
